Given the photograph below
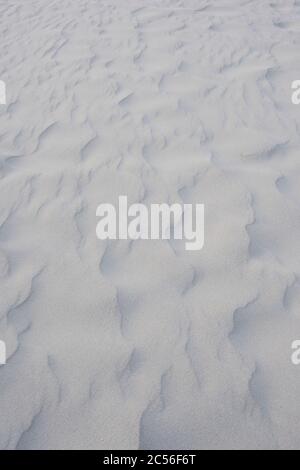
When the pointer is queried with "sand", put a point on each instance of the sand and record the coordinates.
(143, 344)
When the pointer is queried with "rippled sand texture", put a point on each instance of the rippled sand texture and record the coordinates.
(142, 344)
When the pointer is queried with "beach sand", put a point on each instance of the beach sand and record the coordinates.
(142, 344)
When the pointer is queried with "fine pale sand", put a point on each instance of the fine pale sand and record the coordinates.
(127, 345)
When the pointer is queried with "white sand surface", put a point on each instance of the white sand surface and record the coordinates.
(127, 345)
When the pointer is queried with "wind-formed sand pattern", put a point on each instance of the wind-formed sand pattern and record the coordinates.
(142, 344)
